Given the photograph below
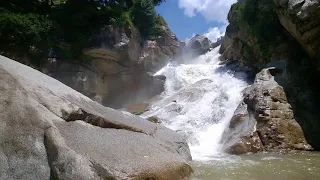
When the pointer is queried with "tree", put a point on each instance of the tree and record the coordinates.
(26, 6)
(144, 16)
(158, 2)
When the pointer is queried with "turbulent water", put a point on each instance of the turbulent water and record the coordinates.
(199, 100)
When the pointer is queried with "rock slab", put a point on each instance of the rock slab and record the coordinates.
(50, 131)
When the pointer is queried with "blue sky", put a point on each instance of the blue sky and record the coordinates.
(189, 17)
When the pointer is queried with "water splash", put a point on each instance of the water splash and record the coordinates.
(199, 100)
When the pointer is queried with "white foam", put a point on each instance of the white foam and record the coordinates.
(199, 100)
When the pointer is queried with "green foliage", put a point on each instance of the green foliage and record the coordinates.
(158, 26)
(158, 2)
(67, 24)
(143, 14)
(74, 22)
(262, 21)
(23, 29)
(145, 18)
(26, 6)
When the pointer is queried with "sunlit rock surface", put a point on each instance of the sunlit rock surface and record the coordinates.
(50, 131)
(264, 120)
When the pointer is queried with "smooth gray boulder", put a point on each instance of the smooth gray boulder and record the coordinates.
(199, 44)
(50, 131)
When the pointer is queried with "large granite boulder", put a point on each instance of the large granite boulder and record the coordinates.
(198, 45)
(50, 131)
(264, 121)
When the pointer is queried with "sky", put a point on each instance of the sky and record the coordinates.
(189, 17)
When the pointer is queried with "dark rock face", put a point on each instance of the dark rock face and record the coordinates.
(50, 131)
(119, 72)
(299, 83)
(301, 18)
(264, 120)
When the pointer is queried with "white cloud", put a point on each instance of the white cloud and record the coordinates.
(212, 10)
(189, 38)
(214, 33)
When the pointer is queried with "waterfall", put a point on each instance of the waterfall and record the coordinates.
(199, 100)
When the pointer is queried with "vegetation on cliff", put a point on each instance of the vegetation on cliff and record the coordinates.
(30, 28)
(281, 35)
(262, 23)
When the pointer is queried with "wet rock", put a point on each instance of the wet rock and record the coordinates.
(264, 120)
(160, 77)
(154, 119)
(50, 131)
(250, 143)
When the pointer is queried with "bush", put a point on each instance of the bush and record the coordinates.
(262, 21)
(143, 15)
(67, 24)
(23, 29)
(157, 27)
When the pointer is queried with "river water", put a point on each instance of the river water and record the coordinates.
(199, 100)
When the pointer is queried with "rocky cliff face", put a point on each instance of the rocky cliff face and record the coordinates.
(264, 120)
(291, 24)
(50, 131)
(281, 35)
(301, 18)
(120, 66)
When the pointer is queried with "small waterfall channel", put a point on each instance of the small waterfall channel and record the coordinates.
(199, 100)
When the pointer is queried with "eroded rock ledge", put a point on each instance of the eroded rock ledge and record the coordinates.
(48, 130)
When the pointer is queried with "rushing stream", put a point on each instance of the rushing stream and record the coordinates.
(199, 100)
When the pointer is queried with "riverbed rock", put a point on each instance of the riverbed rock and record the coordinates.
(154, 119)
(264, 121)
(50, 131)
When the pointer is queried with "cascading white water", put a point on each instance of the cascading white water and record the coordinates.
(199, 100)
